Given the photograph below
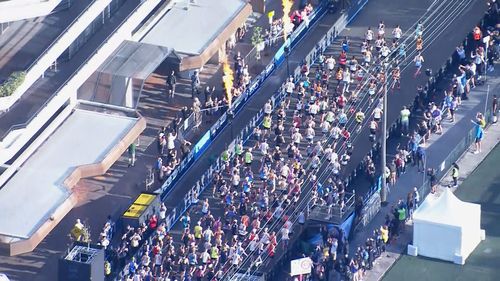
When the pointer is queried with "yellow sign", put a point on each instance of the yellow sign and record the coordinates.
(270, 15)
(141, 203)
(76, 233)
(144, 199)
(135, 211)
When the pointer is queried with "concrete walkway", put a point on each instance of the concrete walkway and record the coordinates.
(438, 149)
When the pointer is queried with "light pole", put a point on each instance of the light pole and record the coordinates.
(486, 41)
(287, 54)
(383, 191)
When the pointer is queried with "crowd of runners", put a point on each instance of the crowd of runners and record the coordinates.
(254, 205)
(468, 74)
(297, 154)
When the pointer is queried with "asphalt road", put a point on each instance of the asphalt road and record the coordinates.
(403, 13)
(440, 20)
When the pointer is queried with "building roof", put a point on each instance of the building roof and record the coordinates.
(134, 60)
(31, 196)
(191, 30)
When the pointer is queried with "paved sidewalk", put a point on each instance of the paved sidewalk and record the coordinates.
(438, 148)
(480, 187)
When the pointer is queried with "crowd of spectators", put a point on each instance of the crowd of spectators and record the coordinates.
(265, 179)
(469, 72)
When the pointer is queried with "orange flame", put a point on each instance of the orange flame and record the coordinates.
(227, 79)
(287, 23)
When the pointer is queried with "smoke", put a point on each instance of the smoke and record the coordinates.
(227, 79)
(287, 23)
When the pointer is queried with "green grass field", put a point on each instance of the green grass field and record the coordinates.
(482, 187)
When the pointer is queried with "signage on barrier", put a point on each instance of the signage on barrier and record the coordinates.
(300, 266)
(254, 86)
(269, 69)
(201, 143)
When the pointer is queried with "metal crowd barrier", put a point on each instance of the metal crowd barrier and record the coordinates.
(238, 103)
(192, 195)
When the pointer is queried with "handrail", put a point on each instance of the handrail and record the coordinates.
(59, 37)
(66, 82)
(239, 102)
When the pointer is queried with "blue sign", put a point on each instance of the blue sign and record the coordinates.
(201, 143)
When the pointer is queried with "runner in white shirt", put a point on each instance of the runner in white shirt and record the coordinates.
(290, 86)
(336, 132)
(268, 109)
(313, 109)
(264, 147)
(381, 29)
(385, 51)
(297, 137)
(207, 235)
(310, 133)
(369, 35)
(346, 79)
(325, 127)
(330, 63)
(285, 170)
(205, 257)
(397, 32)
(205, 207)
(419, 60)
(377, 114)
(368, 57)
(236, 259)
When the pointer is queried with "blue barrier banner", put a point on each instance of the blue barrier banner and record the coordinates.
(299, 30)
(278, 57)
(202, 142)
(253, 86)
(269, 69)
(238, 103)
(347, 224)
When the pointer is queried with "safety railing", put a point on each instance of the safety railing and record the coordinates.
(77, 18)
(395, 129)
(334, 214)
(70, 78)
(461, 148)
(238, 103)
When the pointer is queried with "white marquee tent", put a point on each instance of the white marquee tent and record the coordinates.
(446, 228)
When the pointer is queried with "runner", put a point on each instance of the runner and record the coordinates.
(397, 32)
(369, 35)
(396, 75)
(419, 59)
(381, 29)
(360, 116)
(419, 29)
(419, 44)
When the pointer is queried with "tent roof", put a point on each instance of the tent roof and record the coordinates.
(446, 209)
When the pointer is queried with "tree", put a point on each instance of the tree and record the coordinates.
(257, 41)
